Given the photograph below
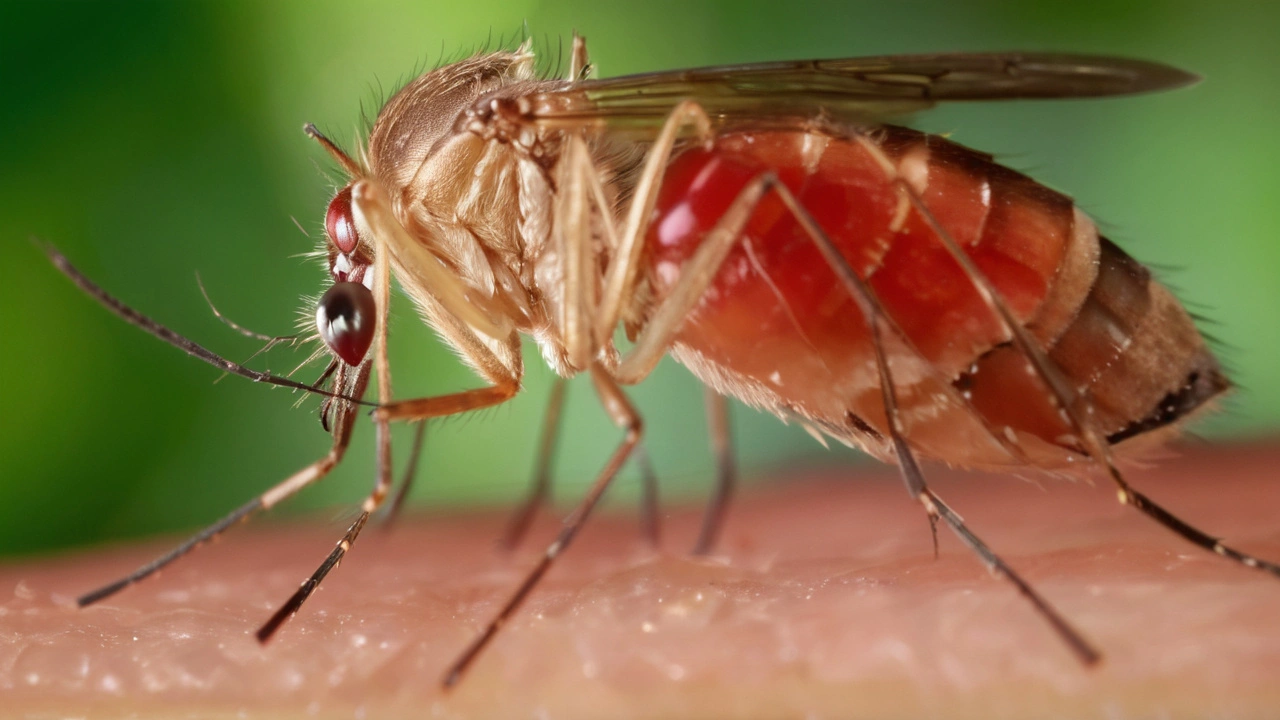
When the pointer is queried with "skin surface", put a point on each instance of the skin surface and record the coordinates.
(824, 602)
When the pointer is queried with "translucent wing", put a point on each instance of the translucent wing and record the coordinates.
(867, 89)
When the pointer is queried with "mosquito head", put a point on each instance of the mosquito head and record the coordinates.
(345, 315)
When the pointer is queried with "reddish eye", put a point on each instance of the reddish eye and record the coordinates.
(345, 318)
(339, 223)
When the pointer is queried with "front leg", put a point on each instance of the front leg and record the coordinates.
(539, 493)
(370, 203)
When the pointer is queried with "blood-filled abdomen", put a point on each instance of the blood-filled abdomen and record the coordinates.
(777, 329)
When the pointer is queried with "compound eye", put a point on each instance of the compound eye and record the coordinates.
(339, 223)
(345, 319)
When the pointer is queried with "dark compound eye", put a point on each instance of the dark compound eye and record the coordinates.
(345, 319)
(339, 223)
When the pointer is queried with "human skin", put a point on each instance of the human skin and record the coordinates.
(824, 600)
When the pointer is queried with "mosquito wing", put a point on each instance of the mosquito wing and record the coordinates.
(862, 90)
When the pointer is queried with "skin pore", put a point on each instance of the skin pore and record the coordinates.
(823, 600)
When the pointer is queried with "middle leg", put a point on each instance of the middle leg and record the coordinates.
(539, 494)
(624, 415)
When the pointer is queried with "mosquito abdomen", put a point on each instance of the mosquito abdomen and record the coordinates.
(777, 329)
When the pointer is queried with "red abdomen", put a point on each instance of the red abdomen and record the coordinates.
(777, 329)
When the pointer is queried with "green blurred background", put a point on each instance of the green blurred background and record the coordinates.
(154, 140)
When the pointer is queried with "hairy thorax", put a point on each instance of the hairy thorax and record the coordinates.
(477, 187)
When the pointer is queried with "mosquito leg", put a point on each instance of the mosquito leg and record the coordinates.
(370, 505)
(624, 416)
(624, 266)
(626, 247)
(650, 527)
(382, 474)
(697, 274)
(910, 469)
(726, 472)
(382, 486)
(1129, 496)
(465, 317)
(327, 405)
(239, 514)
(1073, 405)
(937, 509)
(265, 501)
(295, 601)
(578, 185)
(1084, 651)
(410, 474)
(442, 405)
(579, 64)
(581, 187)
(540, 489)
(368, 199)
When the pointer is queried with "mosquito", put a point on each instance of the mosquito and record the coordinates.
(762, 224)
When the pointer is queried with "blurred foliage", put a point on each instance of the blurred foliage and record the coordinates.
(154, 140)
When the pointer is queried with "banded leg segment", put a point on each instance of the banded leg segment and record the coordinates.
(286, 489)
(382, 482)
(417, 409)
